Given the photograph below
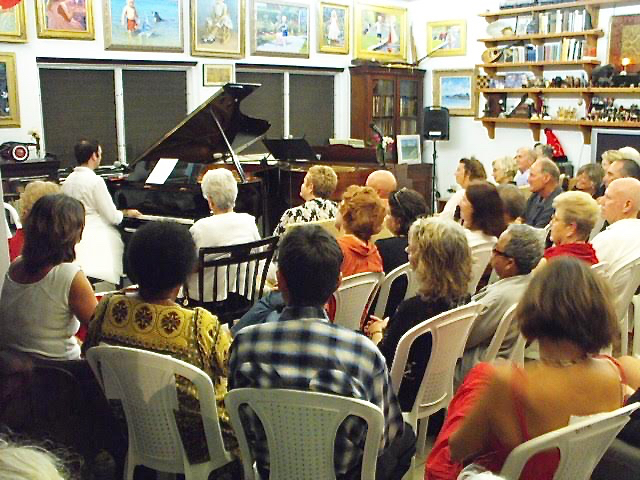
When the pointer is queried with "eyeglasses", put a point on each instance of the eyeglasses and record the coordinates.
(502, 254)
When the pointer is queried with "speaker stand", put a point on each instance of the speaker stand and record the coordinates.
(434, 192)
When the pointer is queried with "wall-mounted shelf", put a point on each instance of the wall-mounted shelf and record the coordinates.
(513, 12)
(540, 37)
(561, 90)
(538, 67)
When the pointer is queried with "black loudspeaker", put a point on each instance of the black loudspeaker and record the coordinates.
(436, 123)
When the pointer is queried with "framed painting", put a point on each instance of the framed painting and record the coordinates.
(623, 42)
(67, 19)
(408, 147)
(215, 75)
(9, 109)
(217, 28)
(12, 24)
(380, 33)
(455, 90)
(447, 39)
(143, 25)
(333, 28)
(280, 29)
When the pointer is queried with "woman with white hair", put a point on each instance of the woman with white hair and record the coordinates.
(504, 170)
(223, 227)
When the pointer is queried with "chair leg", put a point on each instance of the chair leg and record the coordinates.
(129, 468)
(421, 437)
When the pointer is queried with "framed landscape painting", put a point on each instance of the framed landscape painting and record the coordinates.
(12, 24)
(217, 28)
(455, 89)
(333, 28)
(9, 111)
(143, 25)
(447, 39)
(280, 29)
(380, 33)
(65, 19)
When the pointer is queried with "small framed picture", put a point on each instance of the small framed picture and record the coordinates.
(408, 148)
(455, 89)
(215, 75)
(333, 28)
(72, 20)
(280, 29)
(9, 110)
(447, 39)
(12, 24)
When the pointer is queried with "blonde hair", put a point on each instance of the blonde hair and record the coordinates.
(29, 463)
(323, 180)
(443, 257)
(362, 212)
(579, 208)
(32, 193)
(508, 165)
(612, 156)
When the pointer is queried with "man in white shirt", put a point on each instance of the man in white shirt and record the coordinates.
(524, 158)
(99, 253)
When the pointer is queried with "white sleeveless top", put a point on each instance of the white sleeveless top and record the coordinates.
(36, 317)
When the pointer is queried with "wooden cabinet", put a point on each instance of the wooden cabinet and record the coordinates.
(390, 98)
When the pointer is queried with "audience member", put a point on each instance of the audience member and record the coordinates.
(543, 182)
(504, 170)
(469, 169)
(513, 202)
(524, 158)
(621, 169)
(26, 462)
(100, 234)
(383, 182)
(543, 150)
(619, 242)
(319, 184)
(441, 260)
(589, 180)
(518, 251)
(45, 297)
(224, 227)
(608, 157)
(630, 153)
(304, 351)
(160, 255)
(32, 192)
(568, 311)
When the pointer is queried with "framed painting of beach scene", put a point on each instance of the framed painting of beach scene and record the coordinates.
(380, 33)
(447, 39)
(9, 110)
(280, 29)
(455, 89)
(333, 28)
(408, 148)
(12, 24)
(143, 25)
(66, 19)
(217, 28)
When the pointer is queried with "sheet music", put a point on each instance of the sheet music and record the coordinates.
(162, 170)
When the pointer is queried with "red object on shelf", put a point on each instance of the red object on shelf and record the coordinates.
(7, 4)
(558, 151)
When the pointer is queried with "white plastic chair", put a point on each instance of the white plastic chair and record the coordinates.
(300, 428)
(601, 268)
(145, 382)
(624, 280)
(503, 327)
(354, 296)
(517, 354)
(581, 445)
(385, 287)
(449, 332)
(481, 254)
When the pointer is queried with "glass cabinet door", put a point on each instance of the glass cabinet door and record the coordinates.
(383, 105)
(408, 107)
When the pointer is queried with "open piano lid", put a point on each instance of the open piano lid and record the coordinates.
(216, 126)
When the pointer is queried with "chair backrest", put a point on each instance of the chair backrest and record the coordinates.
(503, 327)
(300, 428)
(353, 297)
(481, 254)
(517, 353)
(624, 280)
(241, 269)
(449, 332)
(145, 383)
(601, 268)
(581, 445)
(388, 281)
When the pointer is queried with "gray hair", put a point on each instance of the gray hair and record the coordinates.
(525, 247)
(548, 166)
(221, 187)
(507, 164)
(513, 200)
(594, 171)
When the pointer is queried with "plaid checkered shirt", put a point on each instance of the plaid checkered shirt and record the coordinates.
(303, 351)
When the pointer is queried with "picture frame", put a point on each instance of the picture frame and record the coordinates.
(455, 90)
(59, 19)
(217, 28)
(280, 29)
(9, 107)
(215, 75)
(154, 27)
(333, 28)
(380, 33)
(622, 44)
(409, 149)
(447, 38)
(13, 24)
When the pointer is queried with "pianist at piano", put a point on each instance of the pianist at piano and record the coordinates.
(100, 251)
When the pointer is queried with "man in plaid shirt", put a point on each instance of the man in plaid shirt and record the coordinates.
(303, 351)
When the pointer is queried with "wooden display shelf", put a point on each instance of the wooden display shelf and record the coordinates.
(538, 67)
(514, 12)
(561, 90)
(540, 37)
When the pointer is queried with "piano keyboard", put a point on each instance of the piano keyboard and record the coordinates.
(130, 224)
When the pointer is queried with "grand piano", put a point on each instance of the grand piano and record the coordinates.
(209, 137)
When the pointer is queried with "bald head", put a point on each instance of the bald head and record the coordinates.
(621, 200)
(383, 182)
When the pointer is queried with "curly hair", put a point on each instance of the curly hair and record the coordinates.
(405, 205)
(32, 192)
(442, 257)
(488, 210)
(323, 179)
(362, 212)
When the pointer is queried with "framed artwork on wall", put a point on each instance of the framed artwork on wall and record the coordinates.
(217, 28)
(280, 29)
(72, 20)
(623, 41)
(12, 24)
(409, 149)
(143, 25)
(456, 90)
(447, 39)
(380, 33)
(9, 108)
(333, 28)
(215, 75)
